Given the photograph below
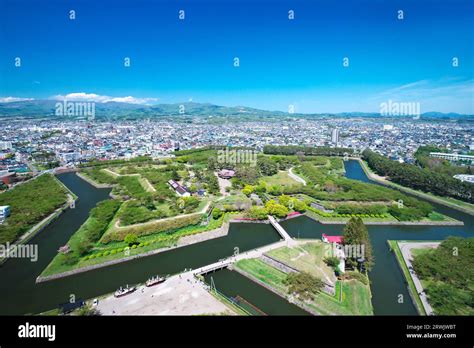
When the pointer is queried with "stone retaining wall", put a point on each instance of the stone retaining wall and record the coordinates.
(219, 232)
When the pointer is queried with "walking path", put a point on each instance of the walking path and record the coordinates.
(255, 253)
(251, 254)
(223, 184)
(281, 230)
(405, 248)
(296, 177)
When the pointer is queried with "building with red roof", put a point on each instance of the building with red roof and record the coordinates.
(332, 239)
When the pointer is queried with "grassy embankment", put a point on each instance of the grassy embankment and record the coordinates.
(411, 286)
(30, 203)
(280, 179)
(450, 202)
(349, 198)
(105, 252)
(309, 257)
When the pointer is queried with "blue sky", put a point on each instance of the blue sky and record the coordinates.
(282, 62)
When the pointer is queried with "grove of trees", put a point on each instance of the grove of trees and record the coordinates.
(449, 273)
(419, 178)
(29, 203)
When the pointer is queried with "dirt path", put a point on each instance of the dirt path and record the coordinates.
(296, 177)
(223, 183)
(405, 248)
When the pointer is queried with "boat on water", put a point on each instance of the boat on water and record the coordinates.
(155, 280)
(124, 291)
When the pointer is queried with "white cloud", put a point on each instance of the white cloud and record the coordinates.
(444, 95)
(432, 88)
(91, 97)
(13, 99)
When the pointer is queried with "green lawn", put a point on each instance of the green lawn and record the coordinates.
(355, 295)
(280, 179)
(355, 300)
(308, 257)
(420, 251)
(264, 273)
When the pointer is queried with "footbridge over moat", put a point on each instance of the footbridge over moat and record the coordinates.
(255, 253)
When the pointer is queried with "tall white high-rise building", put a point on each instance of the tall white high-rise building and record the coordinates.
(335, 136)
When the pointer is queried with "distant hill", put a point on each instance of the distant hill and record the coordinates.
(127, 111)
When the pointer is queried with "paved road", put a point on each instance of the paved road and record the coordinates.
(405, 248)
(296, 177)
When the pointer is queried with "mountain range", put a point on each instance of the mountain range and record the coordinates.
(127, 111)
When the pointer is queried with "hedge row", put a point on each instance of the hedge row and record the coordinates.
(118, 234)
(120, 250)
(321, 213)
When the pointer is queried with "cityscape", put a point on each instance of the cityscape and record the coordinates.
(220, 161)
(74, 142)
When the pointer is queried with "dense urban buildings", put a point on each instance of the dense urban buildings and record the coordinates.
(46, 144)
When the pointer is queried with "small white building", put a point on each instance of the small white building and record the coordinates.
(179, 189)
(4, 212)
(465, 177)
(337, 249)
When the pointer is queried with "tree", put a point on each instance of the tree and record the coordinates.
(299, 206)
(212, 183)
(212, 163)
(83, 247)
(330, 186)
(261, 187)
(266, 166)
(332, 261)
(276, 209)
(247, 174)
(148, 202)
(130, 239)
(274, 190)
(285, 200)
(303, 285)
(175, 175)
(247, 190)
(70, 259)
(216, 213)
(259, 213)
(423, 179)
(355, 234)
